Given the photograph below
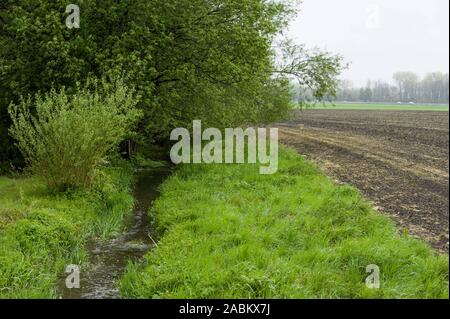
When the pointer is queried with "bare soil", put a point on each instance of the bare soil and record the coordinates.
(398, 159)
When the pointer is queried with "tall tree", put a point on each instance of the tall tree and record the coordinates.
(188, 59)
(407, 84)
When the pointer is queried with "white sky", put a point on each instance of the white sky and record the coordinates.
(378, 37)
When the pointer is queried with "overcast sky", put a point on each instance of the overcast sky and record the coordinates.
(379, 37)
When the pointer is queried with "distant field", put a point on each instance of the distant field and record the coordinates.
(394, 107)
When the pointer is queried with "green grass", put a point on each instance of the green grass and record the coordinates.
(229, 232)
(42, 232)
(385, 107)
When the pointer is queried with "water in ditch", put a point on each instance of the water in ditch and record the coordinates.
(108, 259)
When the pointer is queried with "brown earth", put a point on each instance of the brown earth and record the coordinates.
(397, 159)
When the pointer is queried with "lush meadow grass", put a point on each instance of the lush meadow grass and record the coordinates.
(41, 233)
(228, 232)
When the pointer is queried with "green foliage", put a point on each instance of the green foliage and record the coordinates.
(229, 232)
(188, 59)
(111, 202)
(70, 135)
(41, 233)
(315, 70)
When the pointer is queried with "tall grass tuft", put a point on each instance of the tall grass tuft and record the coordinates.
(65, 137)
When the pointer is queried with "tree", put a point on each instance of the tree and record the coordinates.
(407, 83)
(314, 69)
(434, 87)
(188, 59)
(365, 94)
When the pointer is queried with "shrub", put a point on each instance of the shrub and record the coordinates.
(64, 138)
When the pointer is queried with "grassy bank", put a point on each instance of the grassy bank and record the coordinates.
(41, 233)
(227, 232)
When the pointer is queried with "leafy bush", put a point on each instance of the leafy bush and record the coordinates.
(64, 138)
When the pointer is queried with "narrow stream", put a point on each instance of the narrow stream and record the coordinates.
(108, 259)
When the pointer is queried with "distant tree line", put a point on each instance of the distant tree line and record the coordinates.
(407, 87)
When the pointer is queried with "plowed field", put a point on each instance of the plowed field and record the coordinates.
(398, 159)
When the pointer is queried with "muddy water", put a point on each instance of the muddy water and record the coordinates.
(108, 259)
